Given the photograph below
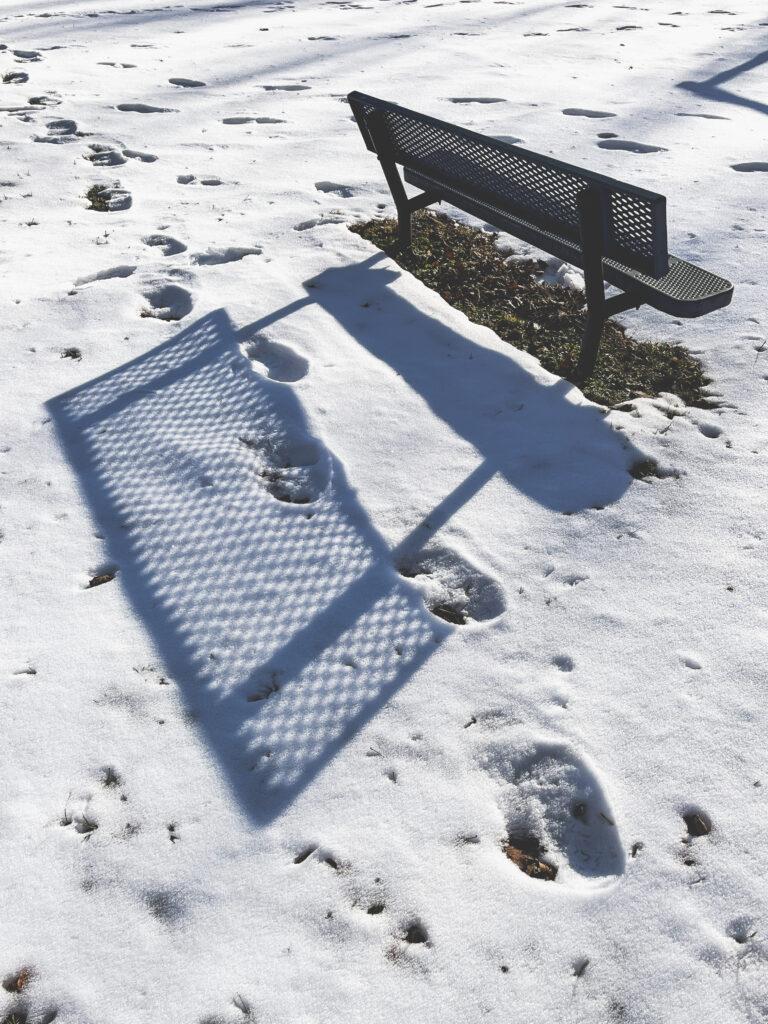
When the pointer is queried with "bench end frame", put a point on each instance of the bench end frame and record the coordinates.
(405, 206)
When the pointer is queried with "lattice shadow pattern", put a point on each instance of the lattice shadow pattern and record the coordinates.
(277, 611)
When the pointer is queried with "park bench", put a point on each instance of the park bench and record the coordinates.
(616, 233)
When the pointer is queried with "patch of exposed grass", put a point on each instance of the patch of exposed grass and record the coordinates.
(465, 266)
(98, 197)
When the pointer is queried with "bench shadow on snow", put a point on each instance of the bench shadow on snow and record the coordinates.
(272, 600)
(563, 456)
(713, 88)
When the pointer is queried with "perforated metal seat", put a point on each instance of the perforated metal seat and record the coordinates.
(615, 231)
(685, 290)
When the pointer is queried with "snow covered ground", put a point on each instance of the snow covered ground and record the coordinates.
(252, 776)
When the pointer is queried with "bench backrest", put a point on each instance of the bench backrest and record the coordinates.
(538, 189)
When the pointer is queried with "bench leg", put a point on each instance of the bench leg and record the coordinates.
(405, 206)
(404, 228)
(599, 309)
(590, 343)
(594, 288)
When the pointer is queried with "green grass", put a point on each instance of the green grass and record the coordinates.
(97, 198)
(465, 266)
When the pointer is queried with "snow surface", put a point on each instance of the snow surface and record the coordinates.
(253, 776)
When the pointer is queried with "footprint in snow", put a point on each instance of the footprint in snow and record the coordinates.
(631, 147)
(189, 179)
(331, 186)
(26, 55)
(187, 83)
(144, 158)
(558, 819)
(61, 127)
(317, 222)
(279, 361)
(711, 430)
(286, 88)
(253, 120)
(289, 464)
(476, 99)
(114, 64)
(167, 245)
(104, 156)
(754, 165)
(563, 663)
(144, 108)
(452, 589)
(690, 661)
(108, 198)
(166, 301)
(583, 112)
(105, 275)
(62, 131)
(214, 257)
(15, 78)
(742, 929)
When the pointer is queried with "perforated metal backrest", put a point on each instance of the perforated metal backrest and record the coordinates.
(541, 190)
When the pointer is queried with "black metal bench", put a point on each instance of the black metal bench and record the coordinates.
(615, 232)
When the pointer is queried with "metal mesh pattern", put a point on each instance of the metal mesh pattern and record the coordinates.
(631, 221)
(537, 188)
(553, 242)
(686, 290)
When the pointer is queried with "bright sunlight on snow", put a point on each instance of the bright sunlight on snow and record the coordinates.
(348, 673)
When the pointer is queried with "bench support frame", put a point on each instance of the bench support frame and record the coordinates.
(599, 308)
(405, 206)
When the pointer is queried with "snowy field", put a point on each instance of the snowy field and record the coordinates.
(249, 775)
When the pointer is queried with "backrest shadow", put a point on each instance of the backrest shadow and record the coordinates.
(559, 453)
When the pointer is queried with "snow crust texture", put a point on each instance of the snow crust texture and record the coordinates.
(351, 668)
